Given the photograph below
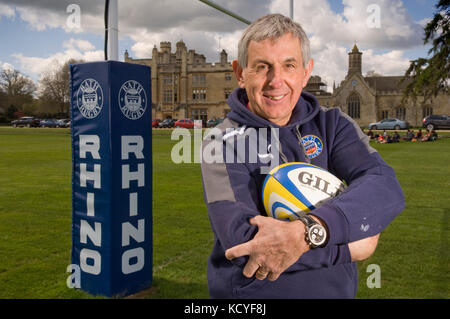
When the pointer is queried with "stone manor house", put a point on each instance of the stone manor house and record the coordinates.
(185, 85)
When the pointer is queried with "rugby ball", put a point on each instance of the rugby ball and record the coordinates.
(298, 187)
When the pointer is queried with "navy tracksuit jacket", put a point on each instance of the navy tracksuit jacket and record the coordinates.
(232, 191)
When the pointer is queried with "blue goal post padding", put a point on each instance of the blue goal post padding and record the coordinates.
(111, 176)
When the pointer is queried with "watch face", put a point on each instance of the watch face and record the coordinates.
(317, 235)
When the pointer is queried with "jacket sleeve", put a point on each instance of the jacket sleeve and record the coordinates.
(231, 196)
(373, 197)
(229, 193)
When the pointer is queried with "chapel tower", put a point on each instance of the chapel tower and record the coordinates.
(354, 61)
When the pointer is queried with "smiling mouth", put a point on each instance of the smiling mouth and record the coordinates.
(275, 97)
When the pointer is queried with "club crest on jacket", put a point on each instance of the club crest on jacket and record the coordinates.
(313, 145)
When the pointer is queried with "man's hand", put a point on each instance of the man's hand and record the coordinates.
(275, 247)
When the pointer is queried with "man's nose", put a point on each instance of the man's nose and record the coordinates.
(275, 77)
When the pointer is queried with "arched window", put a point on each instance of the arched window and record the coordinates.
(353, 106)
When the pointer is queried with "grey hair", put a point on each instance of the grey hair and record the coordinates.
(272, 26)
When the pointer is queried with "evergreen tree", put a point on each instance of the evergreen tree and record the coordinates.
(431, 76)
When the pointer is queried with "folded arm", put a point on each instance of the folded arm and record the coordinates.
(278, 245)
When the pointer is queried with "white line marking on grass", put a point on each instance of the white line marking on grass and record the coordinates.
(179, 257)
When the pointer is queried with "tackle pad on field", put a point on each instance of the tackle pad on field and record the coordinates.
(111, 176)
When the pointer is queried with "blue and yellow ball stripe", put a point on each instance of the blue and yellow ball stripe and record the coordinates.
(281, 197)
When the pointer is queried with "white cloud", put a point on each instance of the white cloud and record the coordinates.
(396, 29)
(330, 63)
(332, 35)
(74, 49)
(6, 66)
(156, 15)
(201, 27)
(206, 43)
(424, 22)
(194, 22)
(390, 63)
(40, 19)
(7, 11)
(83, 45)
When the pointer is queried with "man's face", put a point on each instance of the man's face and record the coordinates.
(274, 77)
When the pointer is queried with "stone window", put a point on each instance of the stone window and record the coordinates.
(167, 79)
(199, 95)
(199, 79)
(228, 76)
(167, 97)
(384, 114)
(428, 110)
(199, 114)
(401, 113)
(353, 106)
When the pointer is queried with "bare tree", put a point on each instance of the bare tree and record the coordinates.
(54, 90)
(3, 103)
(16, 89)
(372, 73)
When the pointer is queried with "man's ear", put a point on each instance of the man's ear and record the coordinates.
(238, 73)
(308, 70)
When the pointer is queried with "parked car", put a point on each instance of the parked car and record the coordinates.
(389, 124)
(187, 123)
(434, 122)
(155, 122)
(49, 123)
(212, 123)
(64, 123)
(166, 123)
(28, 121)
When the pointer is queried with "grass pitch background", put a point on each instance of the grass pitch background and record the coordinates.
(35, 221)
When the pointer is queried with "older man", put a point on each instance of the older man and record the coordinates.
(256, 256)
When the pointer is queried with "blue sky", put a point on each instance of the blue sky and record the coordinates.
(418, 9)
(35, 37)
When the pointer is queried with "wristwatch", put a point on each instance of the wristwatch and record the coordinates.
(315, 235)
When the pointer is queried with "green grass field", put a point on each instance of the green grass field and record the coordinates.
(35, 221)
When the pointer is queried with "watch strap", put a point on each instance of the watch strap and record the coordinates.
(307, 220)
(310, 222)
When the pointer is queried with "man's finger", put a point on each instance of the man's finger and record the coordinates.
(238, 251)
(273, 276)
(250, 268)
(255, 221)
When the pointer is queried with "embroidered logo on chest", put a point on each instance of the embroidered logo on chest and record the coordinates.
(313, 145)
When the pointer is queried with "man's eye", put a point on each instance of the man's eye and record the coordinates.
(290, 66)
(262, 67)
